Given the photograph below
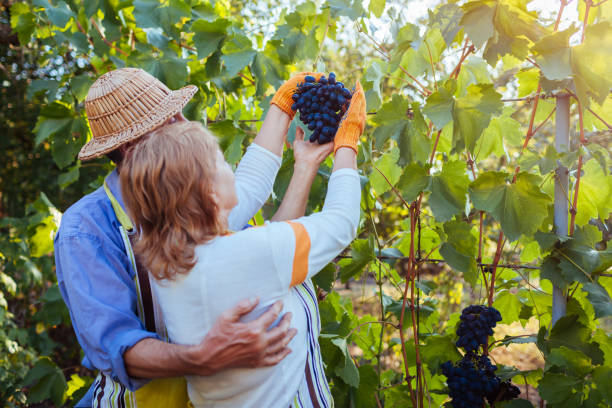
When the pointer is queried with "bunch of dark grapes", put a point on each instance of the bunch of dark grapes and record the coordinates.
(473, 378)
(321, 105)
(470, 380)
(477, 323)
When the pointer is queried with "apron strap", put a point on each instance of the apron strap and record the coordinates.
(123, 218)
(143, 277)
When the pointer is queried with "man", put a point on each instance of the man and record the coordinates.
(94, 270)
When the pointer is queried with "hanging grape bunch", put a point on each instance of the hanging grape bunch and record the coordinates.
(473, 378)
(477, 323)
(321, 105)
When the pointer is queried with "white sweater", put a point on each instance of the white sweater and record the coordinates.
(264, 262)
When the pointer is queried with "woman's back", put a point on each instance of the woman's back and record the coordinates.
(228, 269)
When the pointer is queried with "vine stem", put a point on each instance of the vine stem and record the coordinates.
(588, 3)
(314, 65)
(498, 252)
(110, 44)
(423, 91)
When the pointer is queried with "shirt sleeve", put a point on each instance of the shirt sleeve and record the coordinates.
(315, 240)
(254, 179)
(95, 281)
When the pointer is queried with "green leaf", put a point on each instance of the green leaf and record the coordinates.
(438, 349)
(208, 35)
(387, 165)
(170, 70)
(230, 139)
(446, 19)
(599, 298)
(477, 21)
(362, 253)
(590, 63)
(570, 332)
(326, 277)
(472, 114)
(573, 362)
(374, 75)
(449, 190)
(80, 86)
(439, 106)
(391, 120)
(528, 80)
(459, 250)
(414, 179)
(520, 208)
(553, 54)
(556, 388)
(46, 380)
(60, 14)
(348, 372)
(365, 396)
(509, 304)
(145, 12)
(237, 54)
(594, 195)
(65, 179)
(412, 141)
(352, 9)
(23, 22)
(602, 376)
(377, 7)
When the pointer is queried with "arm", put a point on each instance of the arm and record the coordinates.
(308, 158)
(228, 344)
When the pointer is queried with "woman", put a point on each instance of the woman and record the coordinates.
(179, 192)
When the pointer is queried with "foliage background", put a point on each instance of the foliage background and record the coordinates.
(455, 108)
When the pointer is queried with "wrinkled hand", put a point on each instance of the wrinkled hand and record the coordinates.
(231, 343)
(283, 95)
(309, 156)
(353, 122)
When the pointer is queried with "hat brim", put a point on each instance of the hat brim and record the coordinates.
(170, 106)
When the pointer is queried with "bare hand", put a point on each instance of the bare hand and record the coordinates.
(309, 156)
(231, 343)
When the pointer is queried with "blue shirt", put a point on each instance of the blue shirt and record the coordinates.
(96, 280)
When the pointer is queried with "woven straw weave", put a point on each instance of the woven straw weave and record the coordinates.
(126, 103)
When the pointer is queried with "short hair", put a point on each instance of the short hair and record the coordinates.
(166, 183)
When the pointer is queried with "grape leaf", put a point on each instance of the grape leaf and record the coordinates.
(594, 195)
(449, 191)
(413, 180)
(472, 114)
(520, 208)
(412, 141)
(387, 165)
(377, 7)
(391, 120)
(23, 22)
(459, 249)
(591, 63)
(208, 35)
(599, 298)
(556, 388)
(553, 54)
(509, 305)
(60, 14)
(527, 81)
(237, 54)
(347, 371)
(477, 21)
(440, 104)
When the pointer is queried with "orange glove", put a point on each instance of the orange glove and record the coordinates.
(283, 97)
(353, 121)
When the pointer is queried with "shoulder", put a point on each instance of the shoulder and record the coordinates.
(92, 217)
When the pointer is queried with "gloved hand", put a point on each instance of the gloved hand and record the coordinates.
(283, 97)
(353, 121)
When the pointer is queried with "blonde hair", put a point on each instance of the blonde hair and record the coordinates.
(166, 182)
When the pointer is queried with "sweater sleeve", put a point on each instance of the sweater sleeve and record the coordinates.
(254, 179)
(317, 239)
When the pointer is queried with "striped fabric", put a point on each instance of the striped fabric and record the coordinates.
(314, 391)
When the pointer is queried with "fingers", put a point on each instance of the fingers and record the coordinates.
(274, 359)
(265, 320)
(277, 333)
(281, 343)
(243, 307)
(299, 134)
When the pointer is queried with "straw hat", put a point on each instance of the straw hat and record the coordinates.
(126, 103)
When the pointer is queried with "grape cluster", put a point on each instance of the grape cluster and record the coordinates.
(473, 379)
(477, 323)
(321, 105)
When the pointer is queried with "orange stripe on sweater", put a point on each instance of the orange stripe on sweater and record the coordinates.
(300, 258)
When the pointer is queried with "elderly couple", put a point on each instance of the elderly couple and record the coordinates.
(172, 299)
